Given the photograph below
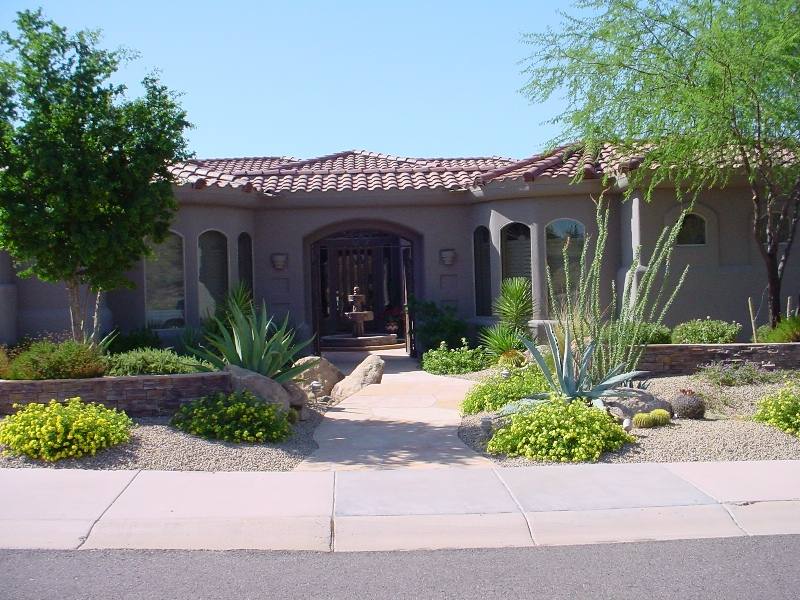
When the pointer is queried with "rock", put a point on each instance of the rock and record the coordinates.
(324, 372)
(624, 407)
(689, 406)
(297, 399)
(265, 388)
(369, 371)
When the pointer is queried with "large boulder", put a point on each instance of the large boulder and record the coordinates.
(297, 399)
(265, 388)
(369, 371)
(624, 407)
(323, 371)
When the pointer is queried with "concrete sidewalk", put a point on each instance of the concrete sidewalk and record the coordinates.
(397, 509)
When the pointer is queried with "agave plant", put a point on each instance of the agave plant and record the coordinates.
(571, 378)
(255, 342)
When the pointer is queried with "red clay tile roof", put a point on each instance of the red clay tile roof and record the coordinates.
(352, 170)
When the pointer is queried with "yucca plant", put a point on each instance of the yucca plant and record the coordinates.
(514, 305)
(501, 340)
(571, 378)
(254, 341)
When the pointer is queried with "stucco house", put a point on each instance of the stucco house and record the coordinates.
(303, 233)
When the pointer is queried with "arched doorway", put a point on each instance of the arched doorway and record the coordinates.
(380, 264)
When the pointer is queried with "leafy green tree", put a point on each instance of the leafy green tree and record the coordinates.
(709, 88)
(84, 185)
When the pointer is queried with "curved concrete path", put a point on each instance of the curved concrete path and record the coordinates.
(409, 420)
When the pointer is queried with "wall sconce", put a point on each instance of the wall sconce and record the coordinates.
(279, 260)
(447, 256)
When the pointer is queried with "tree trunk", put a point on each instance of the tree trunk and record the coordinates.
(773, 289)
(76, 316)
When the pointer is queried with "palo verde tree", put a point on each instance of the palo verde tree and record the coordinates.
(84, 180)
(710, 88)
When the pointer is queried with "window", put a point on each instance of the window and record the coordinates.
(564, 235)
(245, 258)
(213, 271)
(164, 295)
(481, 248)
(693, 231)
(516, 250)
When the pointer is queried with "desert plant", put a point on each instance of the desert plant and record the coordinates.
(733, 374)
(620, 329)
(237, 417)
(787, 330)
(706, 331)
(643, 421)
(58, 360)
(638, 334)
(781, 409)
(559, 431)
(57, 430)
(501, 339)
(514, 305)
(660, 416)
(5, 362)
(255, 342)
(151, 361)
(494, 392)
(434, 324)
(133, 340)
(447, 361)
(571, 378)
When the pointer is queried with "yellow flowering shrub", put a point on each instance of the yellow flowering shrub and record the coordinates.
(781, 409)
(238, 417)
(559, 431)
(58, 430)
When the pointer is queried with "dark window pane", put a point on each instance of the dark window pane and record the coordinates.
(516, 250)
(564, 235)
(693, 231)
(483, 279)
(213, 259)
(164, 303)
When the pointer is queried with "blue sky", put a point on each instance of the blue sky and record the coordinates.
(306, 78)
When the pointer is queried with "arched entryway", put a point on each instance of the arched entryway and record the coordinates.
(377, 261)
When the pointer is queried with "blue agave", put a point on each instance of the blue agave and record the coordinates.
(571, 378)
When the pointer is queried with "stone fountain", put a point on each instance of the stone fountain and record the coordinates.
(358, 315)
(359, 339)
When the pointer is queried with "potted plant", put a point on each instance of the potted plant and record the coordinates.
(392, 317)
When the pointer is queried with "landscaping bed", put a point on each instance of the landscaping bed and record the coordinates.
(155, 445)
(727, 432)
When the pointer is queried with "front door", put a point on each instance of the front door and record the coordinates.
(378, 263)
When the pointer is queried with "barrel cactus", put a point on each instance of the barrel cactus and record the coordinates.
(643, 421)
(660, 416)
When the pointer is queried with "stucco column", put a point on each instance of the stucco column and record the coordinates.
(8, 300)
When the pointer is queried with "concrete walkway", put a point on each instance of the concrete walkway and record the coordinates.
(409, 420)
(403, 509)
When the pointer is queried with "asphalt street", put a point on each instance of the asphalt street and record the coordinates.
(747, 568)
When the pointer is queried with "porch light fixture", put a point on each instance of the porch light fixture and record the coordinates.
(447, 256)
(279, 260)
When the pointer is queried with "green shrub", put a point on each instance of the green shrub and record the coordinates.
(706, 331)
(149, 361)
(502, 339)
(781, 409)
(559, 431)
(238, 417)
(135, 339)
(645, 333)
(5, 362)
(445, 361)
(734, 374)
(58, 360)
(434, 324)
(494, 392)
(56, 430)
(787, 330)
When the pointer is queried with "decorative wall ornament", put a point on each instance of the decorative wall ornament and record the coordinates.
(447, 256)
(279, 260)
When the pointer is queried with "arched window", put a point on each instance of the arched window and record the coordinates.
(213, 271)
(693, 231)
(516, 250)
(481, 248)
(564, 235)
(164, 292)
(245, 258)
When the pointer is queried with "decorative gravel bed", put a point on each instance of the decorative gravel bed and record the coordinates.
(727, 433)
(155, 445)
(477, 375)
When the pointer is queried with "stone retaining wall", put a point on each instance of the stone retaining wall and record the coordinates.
(141, 395)
(683, 359)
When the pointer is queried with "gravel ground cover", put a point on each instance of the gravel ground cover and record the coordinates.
(727, 432)
(154, 445)
(477, 375)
